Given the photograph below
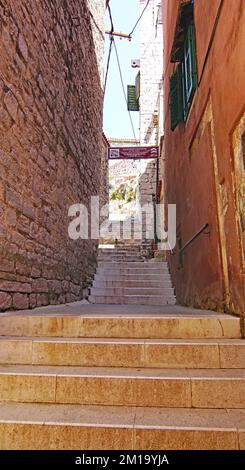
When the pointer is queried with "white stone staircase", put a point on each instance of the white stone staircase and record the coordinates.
(125, 277)
(121, 377)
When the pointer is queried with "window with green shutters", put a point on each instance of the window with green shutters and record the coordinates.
(133, 102)
(183, 81)
(176, 98)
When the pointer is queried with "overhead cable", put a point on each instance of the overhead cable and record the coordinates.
(108, 62)
(136, 24)
(123, 87)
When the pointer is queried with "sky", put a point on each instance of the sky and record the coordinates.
(117, 124)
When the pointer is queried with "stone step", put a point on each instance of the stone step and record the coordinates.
(125, 291)
(182, 323)
(112, 253)
(124, 270)
(72, 427)
(111, 276)
(165, 283)
(121, 249)
(132, 299)
(122, 260)
(124, 387)
(133, 264)
(94, 352)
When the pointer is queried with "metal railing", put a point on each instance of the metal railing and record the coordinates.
(183, 248)
(202, 229)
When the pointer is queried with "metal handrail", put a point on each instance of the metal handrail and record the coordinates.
(194, 237)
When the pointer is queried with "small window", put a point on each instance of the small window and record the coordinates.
(183, 82)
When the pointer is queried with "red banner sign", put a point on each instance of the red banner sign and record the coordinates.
(116, 153)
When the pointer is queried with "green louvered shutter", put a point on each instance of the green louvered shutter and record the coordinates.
(192, 39)
(190, 68)
(176, 97)
(133, 103)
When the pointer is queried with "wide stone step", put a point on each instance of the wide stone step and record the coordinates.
(119, 250)
(124, 387)
(132, 299)
(136, 283)
(165, 283)
(94, 352)
(134, 264)
(121, 260)
(182, 323)
(140, 291)
(72, 427)
(127, 271)
(110, 276)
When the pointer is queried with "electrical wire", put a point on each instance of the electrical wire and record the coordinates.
(123, 87)
(110, 48)
(136, 24)
(110, 15)
(108, 63)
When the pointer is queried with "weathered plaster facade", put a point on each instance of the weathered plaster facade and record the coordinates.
(204, 158)
(50, 145)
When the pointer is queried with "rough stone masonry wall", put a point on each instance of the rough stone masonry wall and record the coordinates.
(50, 147)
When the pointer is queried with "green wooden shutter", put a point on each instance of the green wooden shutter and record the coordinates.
(176, 97)
(133, 103)
(189, 69)
(192, 41)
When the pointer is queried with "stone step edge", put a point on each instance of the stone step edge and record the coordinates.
(111, 413)
(114, 373)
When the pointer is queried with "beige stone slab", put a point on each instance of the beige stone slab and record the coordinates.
(109, 416)
(95, 390)
(182, 354)
(27, 388)
(184, 418)
(124, 325)
(15, 351)
(107, 327)
(238, 418)
(113, 354)
(232, 355)
(241, 437)
(133, 390)
(63, 437)
(29, 369)
(78, 308)
(40, 326)
(162, 392)
(222, 393)
(184, 429)
(170, 439)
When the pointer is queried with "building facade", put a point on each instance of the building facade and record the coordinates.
(151, 68)
(50, 146)
(204, 151)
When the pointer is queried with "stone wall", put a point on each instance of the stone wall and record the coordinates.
(151, 71)
(50, 146)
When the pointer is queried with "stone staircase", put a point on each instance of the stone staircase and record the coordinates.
(124, 276)
(121, 377)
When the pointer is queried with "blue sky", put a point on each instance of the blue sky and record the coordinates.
(125, 13)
